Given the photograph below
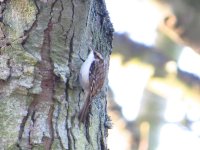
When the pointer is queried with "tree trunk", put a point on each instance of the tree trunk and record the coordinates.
(43, 43)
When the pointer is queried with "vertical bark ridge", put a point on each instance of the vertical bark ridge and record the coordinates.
(45, 70)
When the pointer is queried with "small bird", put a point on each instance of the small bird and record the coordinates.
(91, 77)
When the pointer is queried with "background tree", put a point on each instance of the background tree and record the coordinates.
(181, 21)
(43, 43)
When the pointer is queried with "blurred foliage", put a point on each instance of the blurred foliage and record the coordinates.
(155, 98)
(167, 46)
(181, 21)
(130, 50)
(180, 27)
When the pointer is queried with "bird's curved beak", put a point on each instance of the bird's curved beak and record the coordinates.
(90, 49)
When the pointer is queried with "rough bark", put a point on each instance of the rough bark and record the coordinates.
(43, 43)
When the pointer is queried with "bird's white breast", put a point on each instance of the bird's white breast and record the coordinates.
(84, 72)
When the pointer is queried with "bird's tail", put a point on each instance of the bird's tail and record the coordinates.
(84, 111)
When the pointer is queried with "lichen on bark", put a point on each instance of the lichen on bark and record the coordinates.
(41, 54)
(19, 16)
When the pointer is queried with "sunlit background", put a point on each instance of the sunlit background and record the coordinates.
(154, 82)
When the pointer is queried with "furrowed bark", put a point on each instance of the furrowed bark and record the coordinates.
(43, 43)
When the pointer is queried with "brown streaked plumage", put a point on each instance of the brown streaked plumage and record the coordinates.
(96, 77)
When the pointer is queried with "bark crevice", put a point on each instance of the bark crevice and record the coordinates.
(43, 49)
(45, 69)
